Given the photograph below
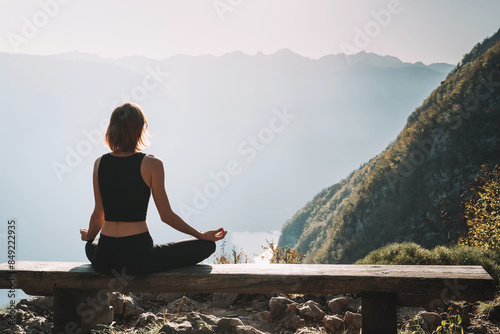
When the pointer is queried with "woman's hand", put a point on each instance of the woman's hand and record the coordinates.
(214, 235)
(84, 234)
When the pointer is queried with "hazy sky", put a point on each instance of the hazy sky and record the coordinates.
(418, 30)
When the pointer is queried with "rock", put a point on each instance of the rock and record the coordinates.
(124, 306)
(18, 330)
(5, 320)
(461, 309)
(22, 306)
(466, 318)
(10, 316)
(100, 328)
(199, 325)
(292, 321)
(168, 297)
(354, 305)
(145, 318)
(337, 305)
(104, 317)
(332, 323)
(494, 313)
(428, 321)
(352, 330)
(478, 329)
(116, 301)
(279, 307)
(228, 323)
(353, 319)
(22, 315)
(284, 311)
(150, 297)
(194, 316)
(184, 304)
(311, 310)
(212, 320)
(175, 328)
(112, 296)
(259, 302)
(37, 324)
(264, 316)
(407, 313)
(162, 313)
(224, 300)
(131, 308)
(242, 329)
(307, 330)
(40, 303)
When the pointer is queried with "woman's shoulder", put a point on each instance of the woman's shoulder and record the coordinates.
(104, 156)
(150, 156)
(98, 160)
(152, 160)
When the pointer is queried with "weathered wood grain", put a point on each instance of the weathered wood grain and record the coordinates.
(415, 285)
(379, 312)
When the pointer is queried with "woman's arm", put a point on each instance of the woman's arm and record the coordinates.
(97, 217)
(157, 182)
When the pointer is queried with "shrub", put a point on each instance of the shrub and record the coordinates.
(233, 258)
(482, 211)
(410, 253)
(283, 254)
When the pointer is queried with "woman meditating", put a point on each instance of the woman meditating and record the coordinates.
(123, 182)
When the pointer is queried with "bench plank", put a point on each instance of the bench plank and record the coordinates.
(416, 285)
(77, 287)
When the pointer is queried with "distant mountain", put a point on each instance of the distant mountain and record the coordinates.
(205, 113)
(412, 190)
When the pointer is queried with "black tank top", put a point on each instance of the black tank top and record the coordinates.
(125, 195)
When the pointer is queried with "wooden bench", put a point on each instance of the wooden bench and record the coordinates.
(81, 296)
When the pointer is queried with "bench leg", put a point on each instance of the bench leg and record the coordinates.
(379, 312)
(78, 311)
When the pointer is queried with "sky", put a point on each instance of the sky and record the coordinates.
(413, 30)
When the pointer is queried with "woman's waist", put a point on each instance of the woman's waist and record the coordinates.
(123, 229)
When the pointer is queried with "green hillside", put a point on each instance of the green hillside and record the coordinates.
(412, 190)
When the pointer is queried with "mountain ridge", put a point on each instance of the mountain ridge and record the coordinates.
(360, 56)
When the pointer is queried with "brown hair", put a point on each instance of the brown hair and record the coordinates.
(127, 129)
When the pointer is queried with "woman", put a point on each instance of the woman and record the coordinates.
(123, 182)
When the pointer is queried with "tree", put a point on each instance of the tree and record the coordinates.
(482, 211)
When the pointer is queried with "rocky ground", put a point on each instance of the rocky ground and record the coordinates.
(234, 313)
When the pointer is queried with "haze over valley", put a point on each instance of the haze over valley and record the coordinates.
(246, 140)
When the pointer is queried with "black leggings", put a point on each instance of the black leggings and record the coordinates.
(137, 254)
